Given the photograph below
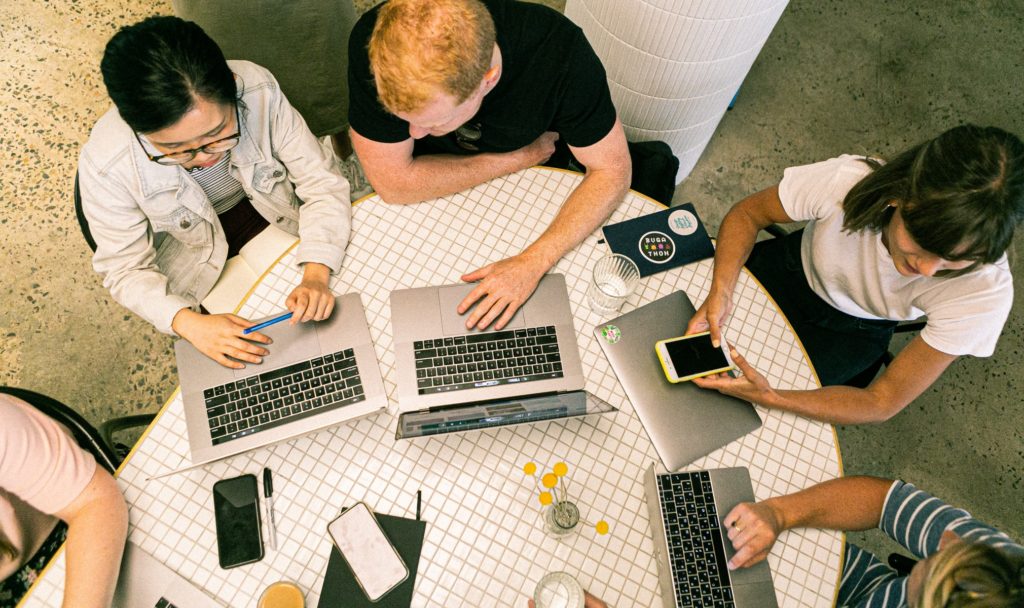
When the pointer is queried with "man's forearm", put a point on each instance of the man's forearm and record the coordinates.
(847, 503)
(436, 175)
(590, 204)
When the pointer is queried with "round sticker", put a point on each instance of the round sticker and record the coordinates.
(611, 334)
(657, 247)
(682, 222)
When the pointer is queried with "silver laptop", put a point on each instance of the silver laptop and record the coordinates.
(502, 412)
(692, 547)
(144, 582)
(439, 362)
(316, 375)
(683, 420)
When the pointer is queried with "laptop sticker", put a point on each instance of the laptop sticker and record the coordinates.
(657, 247)
(611, 334)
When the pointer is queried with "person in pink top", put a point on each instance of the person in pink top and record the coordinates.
(47, 479)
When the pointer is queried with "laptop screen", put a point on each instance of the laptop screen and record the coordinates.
(503, 412)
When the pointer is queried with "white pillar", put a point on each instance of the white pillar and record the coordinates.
(674, 65)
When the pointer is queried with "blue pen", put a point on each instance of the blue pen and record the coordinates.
(283, 317)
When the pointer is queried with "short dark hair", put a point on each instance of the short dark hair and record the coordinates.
(155, 70)
(961, 194)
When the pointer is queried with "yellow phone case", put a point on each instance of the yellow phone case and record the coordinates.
(664, 366)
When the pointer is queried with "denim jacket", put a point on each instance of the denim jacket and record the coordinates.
(159, 244)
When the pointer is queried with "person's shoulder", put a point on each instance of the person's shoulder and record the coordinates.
(992, 280)
(849, 166)
(364, 25)
(109, 140)
(541, 19)
(828, 179)
(20, 417)
(251, 74)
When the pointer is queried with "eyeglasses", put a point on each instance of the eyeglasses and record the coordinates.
(180, 158)
(467, 135)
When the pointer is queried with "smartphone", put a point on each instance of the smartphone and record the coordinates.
(236, 507)
(693, 356)
(376, 564)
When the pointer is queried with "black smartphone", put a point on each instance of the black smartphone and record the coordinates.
(693, 356)
(236, 506)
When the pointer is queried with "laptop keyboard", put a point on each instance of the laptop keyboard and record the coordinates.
(696, 555)
(488, 359)
(277, 397)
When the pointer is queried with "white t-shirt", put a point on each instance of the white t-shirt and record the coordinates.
(855, 273)
(42, 469)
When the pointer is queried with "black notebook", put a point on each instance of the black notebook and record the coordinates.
(662, 240)
(340, 589)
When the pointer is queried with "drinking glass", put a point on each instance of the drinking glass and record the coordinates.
(615, 279)
(282, 594)
(558, 590)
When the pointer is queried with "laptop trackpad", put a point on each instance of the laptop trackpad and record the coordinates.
(292, 343)
(452, 323)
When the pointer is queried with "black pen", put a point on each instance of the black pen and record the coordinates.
(268, 493)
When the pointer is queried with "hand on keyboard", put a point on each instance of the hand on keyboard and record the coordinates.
(504, 286)
(753, 529)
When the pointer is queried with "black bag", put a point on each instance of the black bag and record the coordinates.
(654, 167)
(654, 170)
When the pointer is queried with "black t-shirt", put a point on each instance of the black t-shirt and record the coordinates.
(551, 80)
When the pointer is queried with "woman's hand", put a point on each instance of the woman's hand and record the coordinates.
(753, 529)
(711, 315)
(312, 300)
(220, 337)
(750, 386)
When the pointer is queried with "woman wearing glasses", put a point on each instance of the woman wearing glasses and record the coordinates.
(198, 156)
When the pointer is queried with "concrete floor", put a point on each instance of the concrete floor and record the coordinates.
(835, 76)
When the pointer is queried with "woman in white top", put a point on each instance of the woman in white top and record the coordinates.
(924, 234)
(45, 477)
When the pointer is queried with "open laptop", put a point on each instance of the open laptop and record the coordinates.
(144, 582)
(440, 364)
(502, 412)
(316, 375)
(692, 547)
(683, 420)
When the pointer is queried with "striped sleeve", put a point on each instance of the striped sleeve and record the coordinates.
(916, 520)
(867, 582)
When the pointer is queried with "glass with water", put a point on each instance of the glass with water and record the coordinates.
(615, 279)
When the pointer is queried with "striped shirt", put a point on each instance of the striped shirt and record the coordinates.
(223, 190)
(915, 520)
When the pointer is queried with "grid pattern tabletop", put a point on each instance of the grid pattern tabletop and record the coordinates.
(485, 544)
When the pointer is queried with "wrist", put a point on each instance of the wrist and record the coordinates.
(315, 272)
(183, 320)
(721, 289)
(538, 259)
(781, 519)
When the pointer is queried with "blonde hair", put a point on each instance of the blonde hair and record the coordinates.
(420, 48)
(972, 574)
